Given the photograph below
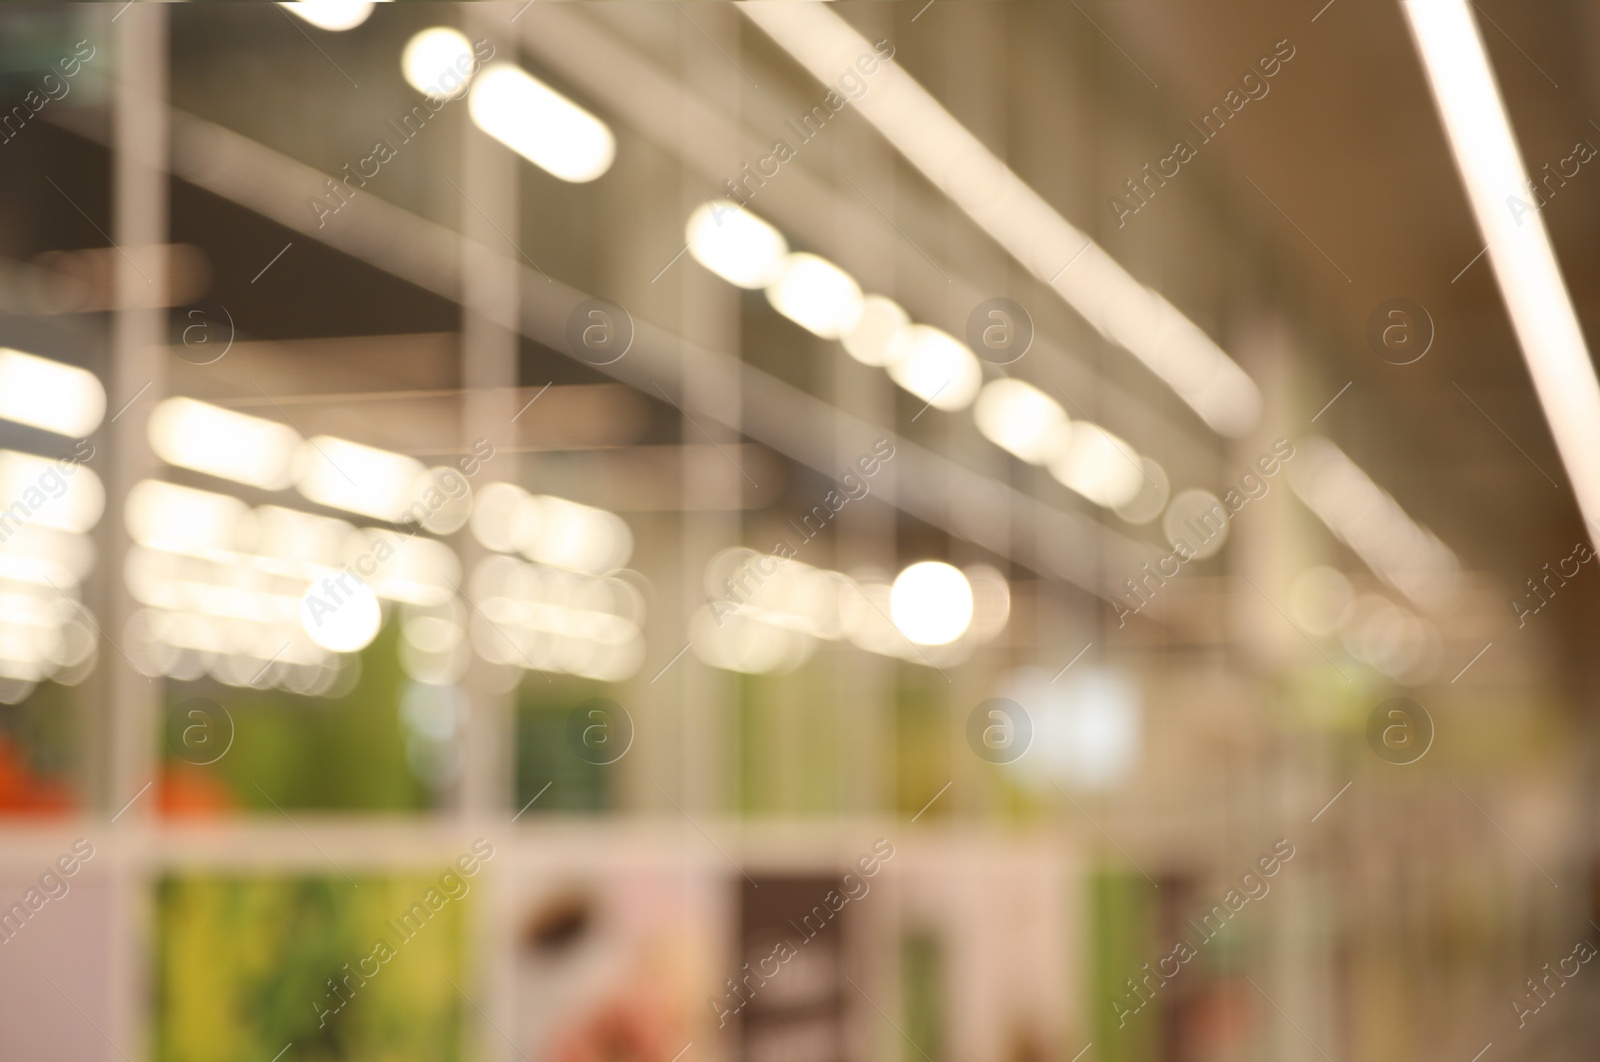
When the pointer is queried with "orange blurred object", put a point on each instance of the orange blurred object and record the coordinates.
(187, 791)
(22, 791)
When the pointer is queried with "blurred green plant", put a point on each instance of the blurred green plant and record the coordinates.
(243, 964)
(544, 754)
(340, 754)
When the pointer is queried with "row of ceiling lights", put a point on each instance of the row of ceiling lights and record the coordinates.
(573, 144)
(938, 368)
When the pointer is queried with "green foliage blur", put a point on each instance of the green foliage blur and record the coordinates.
(544, 750)
(243, 965)
(337, 754)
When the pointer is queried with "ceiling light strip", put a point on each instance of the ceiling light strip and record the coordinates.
(1122, 309)
(1524, 262)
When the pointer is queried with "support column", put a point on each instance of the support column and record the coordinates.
(138, 364)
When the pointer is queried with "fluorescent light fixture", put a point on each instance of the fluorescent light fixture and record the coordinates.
(358, 479)
(46, 394)
(1023, 420)
(1018, 219)
(550, 530)
(222, 443)
(816, 295)
(931, 603)
(413, 569)
(578, 537)
(31, 553)
(181, 519)
(295, 537)
(1366, 518)
(735, 244)
(60, 495)
(937, 368)
(334, 15)
(1154, 488)
(438, 61)
(531, 616)
(503, 519)
(541, 124)
(1086, 726)
(740, 642)
(1524, 262)
(1100, 466)
(879, 338)
(341, 618)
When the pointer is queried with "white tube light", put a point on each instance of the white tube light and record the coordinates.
(46, 394)
(541, 124)
(1016, 217)
(937, 368)
(1099, 465)
(60, 495)
(434, 53)
(931, 603)
(1524, 262)
(735, 244)
(358, 479)
(180, 519)
(222, 443)
(1022, 420)
(816, 295)
(333, 15)
(879, 337)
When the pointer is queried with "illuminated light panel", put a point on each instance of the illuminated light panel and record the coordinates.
(880, 338)
(340, 616)
(60, 495)
(413, 569)
(1524, 262)
(766, 614)
(333, 15)
(182, 519)
(931, 603)
(1022, 420)
(1100, 466)
(1121, 308)
(816, 295)
(46, 394)
(295, 537)
(222, 443)
(434, 53)
(534, 617)
(550, 530)
(735, 244)
(540, 124)
(1366, 518)
(358, 479)
(938, 368)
